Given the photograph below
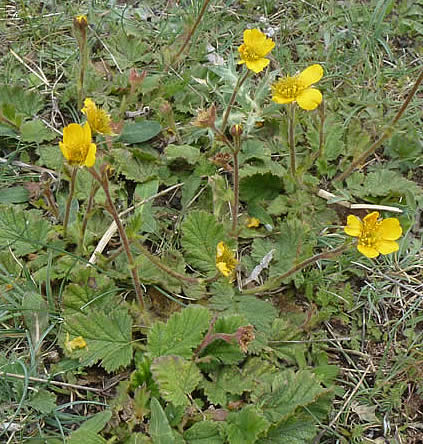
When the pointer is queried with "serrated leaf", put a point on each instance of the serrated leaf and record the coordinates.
(176, 378)
(35, 131)
(160, 430)
(138, 170)
(138, 132)
(43, 401)
(244, 427)
(289, 391)
(201, 234)
(108, 338)
(190, 154)
(204, 432)
(260, 187)
(26, 102)
(24, 231)
(87, 433)
(182, 332)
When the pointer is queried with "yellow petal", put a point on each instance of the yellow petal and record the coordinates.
(64, 150)
(387, 246)
(368, 251)
(251, 36)
(354, 226)
(282, 99)
(309, 99)
(390, 229)
(86, 133)
(371, 217)
(71, 133)
(257, 65)
(311, 75)
(90, 159)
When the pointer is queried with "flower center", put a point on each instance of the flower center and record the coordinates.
(289, 87)
(79, 153)
(248, 54)
(369, 235)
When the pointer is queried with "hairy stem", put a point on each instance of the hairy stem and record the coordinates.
(94, 188)
(235, 205)
(69, 200)
(104, 182)
(276, 281)
(387, 134)
(238, 85)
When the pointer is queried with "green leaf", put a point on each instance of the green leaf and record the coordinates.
(28, 103)
(24, 231)
(260, 187)
(245, 426)
(201, 234)
(204, 432)
(138, 132)
(182, 332)
(133, 168)
(289, 391)
(87, 433)
(36, 131)
(108, 338)
(160, 430)
(190, 154)
(14, 195)
(35, 312)
(295, 430)
(144, 191)
(43, 401)
(176, 378)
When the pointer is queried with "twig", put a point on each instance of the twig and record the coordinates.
(58, 383)
(42, 78)
(27, 166)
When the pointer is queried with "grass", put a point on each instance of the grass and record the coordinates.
(349, 326)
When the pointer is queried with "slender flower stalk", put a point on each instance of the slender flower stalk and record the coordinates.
(104, 182)
(276, 281)
(69, 200)
(386, 134)
(228, 110)
(80, 25)
(291, 139)
(94, 188)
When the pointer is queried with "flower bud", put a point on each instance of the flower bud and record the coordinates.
(236, 130)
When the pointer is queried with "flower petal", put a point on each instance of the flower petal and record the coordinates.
(387, 246)
(354, 226)
(390, 229)
(309, 99)
(90, 159)
(252, 36)
(257, 65)
(86, 133)
(278, 98)
(64, 149)
(311, 75)
(371, 217)
(368, 251)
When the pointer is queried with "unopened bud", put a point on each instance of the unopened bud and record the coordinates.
(135, 78)
(206, 118)
(236, 130)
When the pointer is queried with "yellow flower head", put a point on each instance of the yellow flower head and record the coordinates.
(374, 236)
(78, 342)
(98, 119)
(254, 49)
(81, 20)
(225, 260)
(297, 89)
(76, 146)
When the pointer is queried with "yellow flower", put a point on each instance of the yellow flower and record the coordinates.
(78, 342)
(81, 20)
(255, 47)
(253, 222)
(297, 89)
(98, 119)
(374, 236)
(225, 260)
(76, 146)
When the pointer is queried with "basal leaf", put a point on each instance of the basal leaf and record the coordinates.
(245, 426)
(14, 195)
(176, 378)
(204, 432)
(182, 332)
(87, 433)
(108, 338)
(289, 391)
(138, 132)
(201, 234)
(190, 154)
(43, 401)
(35, 312)
(36, 131)
(295, 430)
